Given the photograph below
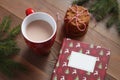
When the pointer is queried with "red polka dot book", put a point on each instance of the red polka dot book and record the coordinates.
(81, 61)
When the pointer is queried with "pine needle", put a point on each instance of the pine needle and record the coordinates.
(8, 47)
(5, 24)
(79, 2)
(14, 32)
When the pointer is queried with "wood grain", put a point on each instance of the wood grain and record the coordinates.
(41, 67)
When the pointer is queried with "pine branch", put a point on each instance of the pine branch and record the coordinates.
(8, 48)
(101, 8)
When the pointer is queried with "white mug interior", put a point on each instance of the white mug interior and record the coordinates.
(38, 16)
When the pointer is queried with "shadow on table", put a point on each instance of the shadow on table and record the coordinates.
(43, 62)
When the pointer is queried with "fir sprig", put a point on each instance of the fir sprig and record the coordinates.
(101, 8)
(8, 48)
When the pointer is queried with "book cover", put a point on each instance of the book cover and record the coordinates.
(74, 61)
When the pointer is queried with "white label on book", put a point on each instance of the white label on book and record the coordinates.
(82, 61)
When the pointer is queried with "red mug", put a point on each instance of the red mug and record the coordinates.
(39, 47)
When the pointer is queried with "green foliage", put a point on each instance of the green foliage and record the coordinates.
(8, 67)
(80, 2)
(8, 48)
(101, 8)
(4, 26)
(14, 32)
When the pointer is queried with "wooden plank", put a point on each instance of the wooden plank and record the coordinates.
(93, 35)
(61, 4)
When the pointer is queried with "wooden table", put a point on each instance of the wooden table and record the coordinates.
(41, 67)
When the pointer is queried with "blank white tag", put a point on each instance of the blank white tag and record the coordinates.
(82, 61)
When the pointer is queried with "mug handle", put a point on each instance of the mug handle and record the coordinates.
(29, 11)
